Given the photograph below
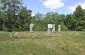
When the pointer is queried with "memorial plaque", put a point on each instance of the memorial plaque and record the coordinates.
(31, 27)
(59, 28)
(53, 29)
(49, 32)
(16, 34)
(49, 25)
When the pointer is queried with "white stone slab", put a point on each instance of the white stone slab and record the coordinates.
(49, 25)
(49, 32)
(53, 29)
(31, 27)
(59, 28)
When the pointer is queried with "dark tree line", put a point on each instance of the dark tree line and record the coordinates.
(72, 22)
(15, 17)
(76, 21)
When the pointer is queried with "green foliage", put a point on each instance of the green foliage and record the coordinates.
(49, 18)
(4, 36)
(76, 21)
(79, 18)
(24, 19)
(64, 27)
(15, 17)
(69, 22)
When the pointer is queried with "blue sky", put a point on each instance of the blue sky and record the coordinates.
(60, 6)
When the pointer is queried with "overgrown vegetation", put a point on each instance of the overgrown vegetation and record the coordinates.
(64, 43)
(4, 36)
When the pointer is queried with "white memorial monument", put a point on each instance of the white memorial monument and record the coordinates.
(53, 28)
(59, 28)
(31, 27)
(16, 34)
(49, 29)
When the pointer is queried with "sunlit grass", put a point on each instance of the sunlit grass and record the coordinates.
(39, 43)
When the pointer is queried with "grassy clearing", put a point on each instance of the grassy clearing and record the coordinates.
(4, 36)
(38, 43)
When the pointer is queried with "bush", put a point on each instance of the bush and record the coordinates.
(64, 28)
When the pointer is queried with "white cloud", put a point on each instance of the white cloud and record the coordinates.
(72, 8)
(83, 5)
(53, 4)
(33, 15)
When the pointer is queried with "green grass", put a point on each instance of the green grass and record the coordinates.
(64, 43)
(4, 36)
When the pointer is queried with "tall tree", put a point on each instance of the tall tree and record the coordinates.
(24, 19)
(78, 15)
(69, 21)
(2, 13)
(10, 7)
